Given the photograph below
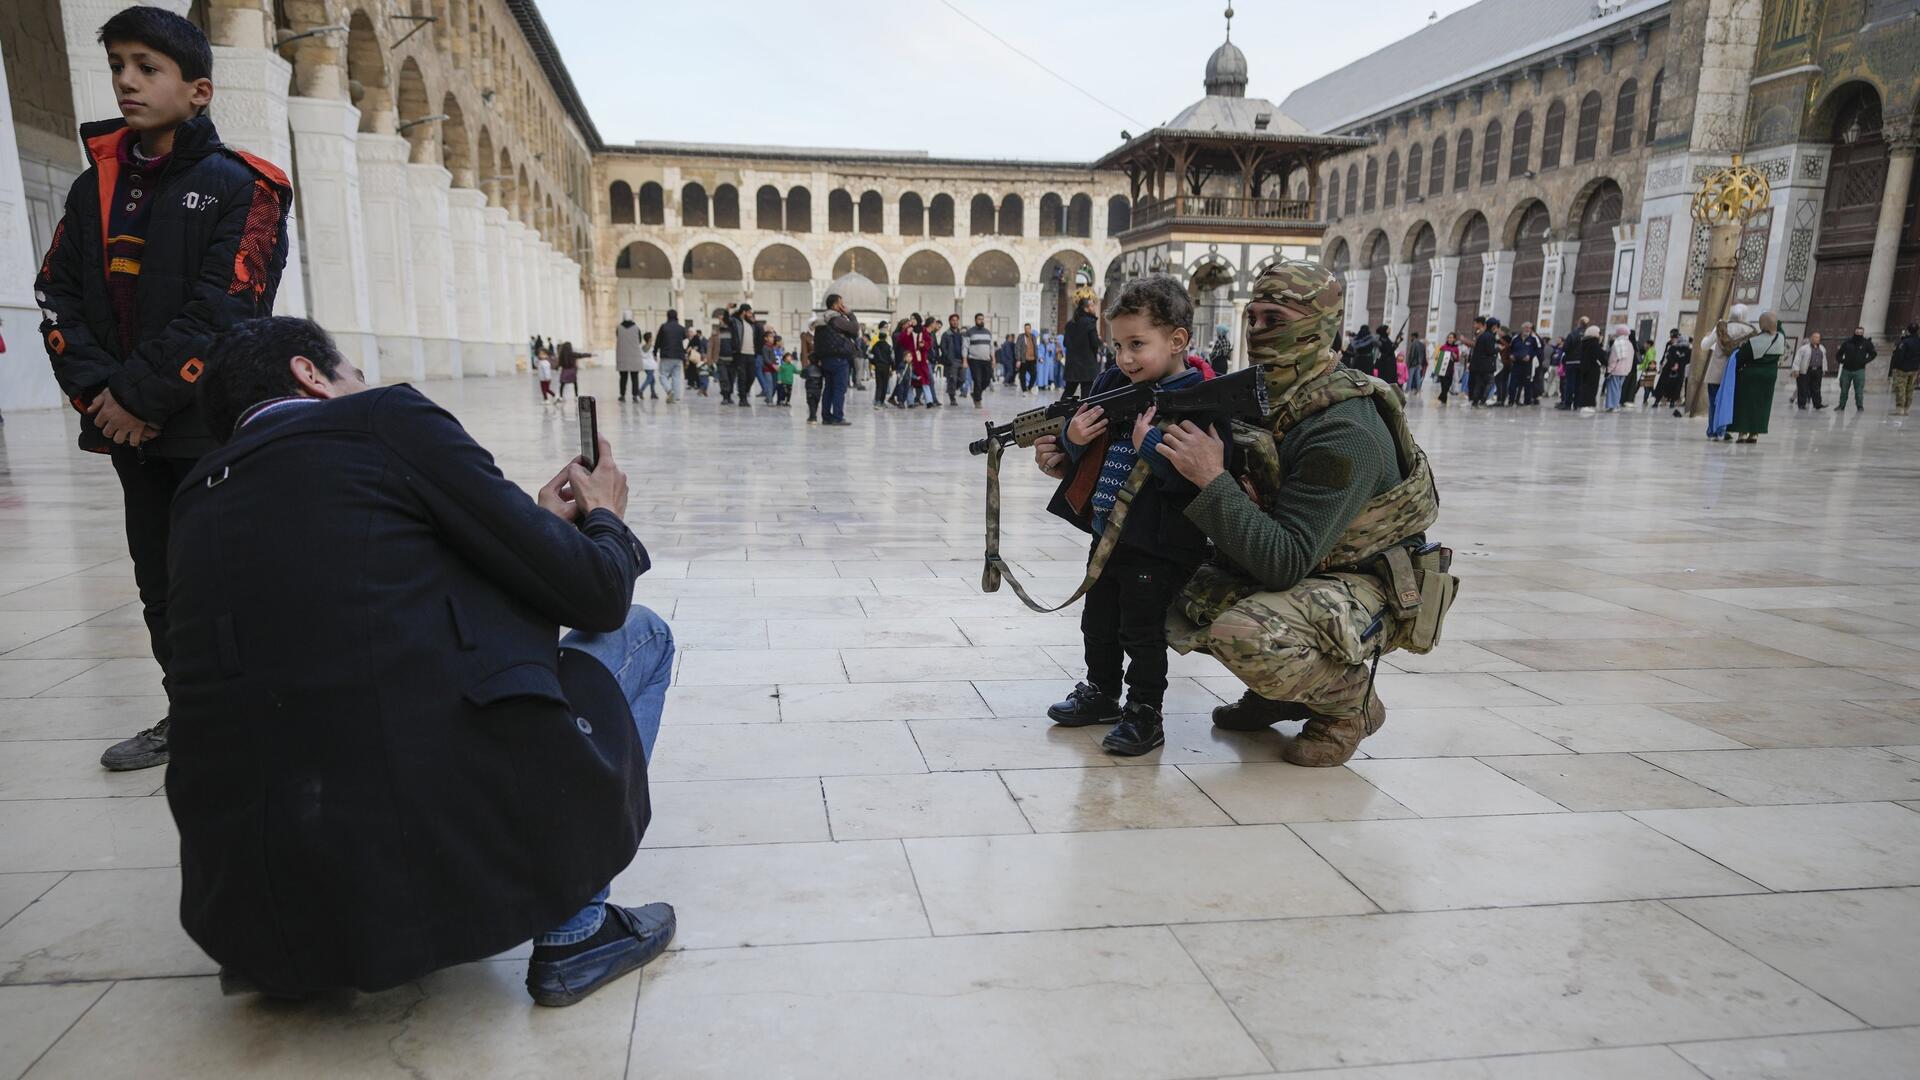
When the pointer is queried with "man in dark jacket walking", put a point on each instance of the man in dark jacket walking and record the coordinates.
(1484, 360)
(834, 341)
(1082, 339)
(1905, 364)
(670, 345)
(168, 238)
(1854, 355)
(1527, 351)
(386, 759)
(746, 351)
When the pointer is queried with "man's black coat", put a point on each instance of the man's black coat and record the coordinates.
(1082, 340)
(382, 764)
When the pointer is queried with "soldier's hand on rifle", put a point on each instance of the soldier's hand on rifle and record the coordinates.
(1197, 452)
(1088, 424)
(1048, 455)
(1142, 425)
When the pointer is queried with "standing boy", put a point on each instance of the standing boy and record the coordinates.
(167, 239)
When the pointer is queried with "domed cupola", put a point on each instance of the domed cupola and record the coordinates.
(1227, 67)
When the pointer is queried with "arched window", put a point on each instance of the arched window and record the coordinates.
(620, 196)
(1586, 137)
(1372, 181)
(726, 207)
(1415, 160)
(1462, 160)
(1390, 186)
(872, 214)
(653, 204)
(1552, 135)
(913, 215)
(1653, 103)
(1120, 215)
(1053, 214)
(693, 205)
(1490, 153)
(1519, 161)
(1437, 171)
(1625, 104)
(980, 216)
(1013, 216)
(799, 210)
(766, 208)
(1333, 193)
(940, 216)
(839, 211)
(1080, 215)
(1353, 189)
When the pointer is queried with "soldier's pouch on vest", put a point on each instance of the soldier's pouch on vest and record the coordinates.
(1255, 456)
(1419, 630)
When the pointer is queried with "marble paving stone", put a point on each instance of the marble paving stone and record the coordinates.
(32, 1018)
(19, 890)
(773, 894)
(767, 607)
(1776, 724)
(1019, 631)
(1001, 1007)
(700, 813)
(1628, 1063)
(731, 704)
(1058, 881)
(129, 677)
(1425, 865)
(470, 1020)
(1449, 787)
(1823, 846)
(1602, 729)
(1904, 708)
(1456, 732)
(1859, 949)
(1454, 654)
(1799, 684)
(821, 587)
(922, 804)
(1826, 774)
(752, 751)
(1029, 698)
(951, 745)
(905, 700)
(1419, 986)
(1641, 654)
(1085, 800)
(1444, 690)
(86, 834)
(19, 629)
(1556, 625)
(963, 662)
(732, 667)
(102, 924)
(88, 642)
(719, 634)
(25, 678)
(1256, 793)
(45, 718)
(865, 633)
(1607, 687)
(1585, 782)
(898, 603)
(1846, 1055)
(72, 593)
(68, 769)
(1192, 739)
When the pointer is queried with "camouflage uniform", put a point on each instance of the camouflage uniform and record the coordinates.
(1308, 647)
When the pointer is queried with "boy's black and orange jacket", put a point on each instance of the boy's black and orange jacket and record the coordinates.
(215, 245)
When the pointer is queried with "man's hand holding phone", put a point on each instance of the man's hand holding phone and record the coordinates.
(604, 486)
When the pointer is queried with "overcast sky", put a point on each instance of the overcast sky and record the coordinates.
(914, 75)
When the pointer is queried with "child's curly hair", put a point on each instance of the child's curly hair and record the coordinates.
(1160, 297)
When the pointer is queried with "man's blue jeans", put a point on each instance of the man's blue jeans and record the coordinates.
(833, 405)
(640, 656)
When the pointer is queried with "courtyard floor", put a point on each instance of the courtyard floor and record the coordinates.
(1650, 811)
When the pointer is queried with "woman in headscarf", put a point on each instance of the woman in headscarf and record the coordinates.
(1673, 371)
(1759, 368)
(1591, 355)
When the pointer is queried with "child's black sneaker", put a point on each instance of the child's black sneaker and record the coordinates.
(1086, 705)
(1138, 732)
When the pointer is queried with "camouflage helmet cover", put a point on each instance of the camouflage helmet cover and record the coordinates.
(1313, 300)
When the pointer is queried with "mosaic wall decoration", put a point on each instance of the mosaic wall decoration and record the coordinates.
(1653, 276)
(1750, 267)
(1696, 263)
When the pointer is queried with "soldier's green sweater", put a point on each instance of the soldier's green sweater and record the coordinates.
(1332, 464)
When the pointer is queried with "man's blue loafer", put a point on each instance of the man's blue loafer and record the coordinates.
(561, 976)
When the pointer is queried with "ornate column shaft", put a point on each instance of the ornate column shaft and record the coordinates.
(1440, 302)
(1886, 242)
(508, 350)
(1556, 289)
(472, 287)
(1496, 287)
(1395, 312)
(327, 185)
(428, 187)
(390, 285)
(1358, 288)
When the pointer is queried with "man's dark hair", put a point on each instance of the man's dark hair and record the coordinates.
(1163, 300)
(165, 33)
(248, 364)
(672, 315)
(832, 299)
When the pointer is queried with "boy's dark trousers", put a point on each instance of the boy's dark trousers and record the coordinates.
(1125, 621)
(813, 402)
(783, 393)
(147, 484)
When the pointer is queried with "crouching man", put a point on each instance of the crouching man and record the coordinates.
(1321, 564)
(386, 759)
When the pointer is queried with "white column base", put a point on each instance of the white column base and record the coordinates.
(327, 188)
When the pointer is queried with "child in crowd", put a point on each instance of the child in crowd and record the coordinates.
(815, 377)
(543, 368)
(1124, 621)
(650, 367)
(168, 238)
(783, 376)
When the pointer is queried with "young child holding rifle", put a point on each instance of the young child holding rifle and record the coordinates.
(1124, 621)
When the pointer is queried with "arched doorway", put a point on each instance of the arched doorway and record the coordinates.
(1378, 253)
(1529, 263)
(1063, 277)
(1593, 268)
(1420, 285)
(1856, 181)
(993, 290)
(1475, 241)
(863, 261)
(926, 284)
(713, 278)
(782, 289)
(643, 283)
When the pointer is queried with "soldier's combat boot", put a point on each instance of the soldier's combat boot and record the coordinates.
(1326, 741)
(1086, 705)
(1255, 713)
(1138, 732)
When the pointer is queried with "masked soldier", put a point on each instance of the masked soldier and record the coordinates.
(1318, 522)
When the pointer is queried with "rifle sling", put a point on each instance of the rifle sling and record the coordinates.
(997, 568)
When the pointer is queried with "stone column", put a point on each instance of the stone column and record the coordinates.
(25, 382)
(520, 311)
(1030, 304)
(390, 282)
(1239, 333)
(1440, 301)
(251, 113)
(1358, 288)
(506, 350)
(429, 187)
(1886, 242)
(1496, 286)
(1556, 289)
(325, 131)
(472, 288)
(1399, 276)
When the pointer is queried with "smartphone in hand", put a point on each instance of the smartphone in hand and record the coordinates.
(589, 433)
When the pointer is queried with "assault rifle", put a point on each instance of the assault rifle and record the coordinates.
(1241, 395)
